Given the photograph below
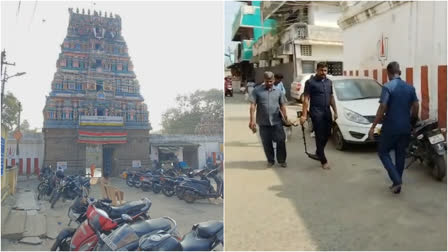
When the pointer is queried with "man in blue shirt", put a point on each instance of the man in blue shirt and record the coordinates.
(398, 105)
(279, 83)
(268, 101)
(318, 94)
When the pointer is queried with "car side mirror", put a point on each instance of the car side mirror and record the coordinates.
(126, 217)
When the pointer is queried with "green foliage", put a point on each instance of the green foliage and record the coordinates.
(193, 110)
(10, 111)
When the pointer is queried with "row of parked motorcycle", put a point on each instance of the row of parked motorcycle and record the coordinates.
(188, 185)
(55, 185)
(129, 228)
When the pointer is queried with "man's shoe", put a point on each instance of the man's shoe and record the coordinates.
(326, 166)
(270, 164)
(395, 188)
(283, 165)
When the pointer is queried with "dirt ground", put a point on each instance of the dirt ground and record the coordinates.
(186, 215)
(304, 207)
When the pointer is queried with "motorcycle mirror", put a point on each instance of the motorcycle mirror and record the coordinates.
(126, 217)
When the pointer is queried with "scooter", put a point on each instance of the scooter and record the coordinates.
(428, 145)
(202, 188)
(170, 184)
(161, 235)
(98, 222)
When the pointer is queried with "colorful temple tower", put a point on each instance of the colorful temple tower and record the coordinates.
(94, 113)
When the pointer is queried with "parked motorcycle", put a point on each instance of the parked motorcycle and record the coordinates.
(69, 188)
(161, 235)
(202, 188)
(133, 179)
(98, 222)
(428, 145)
(77, 212)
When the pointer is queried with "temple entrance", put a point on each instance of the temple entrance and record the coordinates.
(94, 158)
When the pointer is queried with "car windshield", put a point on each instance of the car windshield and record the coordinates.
(356, 89)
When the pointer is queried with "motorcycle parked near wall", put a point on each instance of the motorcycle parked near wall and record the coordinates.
(98, 222)
(194, 189)
(428, 145)
(161, 235)
(46, 187)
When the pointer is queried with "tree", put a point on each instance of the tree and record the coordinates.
(25, 127)
(10, 111)
(186, 117)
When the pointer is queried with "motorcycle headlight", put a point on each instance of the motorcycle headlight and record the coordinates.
(355, 117)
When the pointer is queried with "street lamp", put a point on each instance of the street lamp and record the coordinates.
(5, 78)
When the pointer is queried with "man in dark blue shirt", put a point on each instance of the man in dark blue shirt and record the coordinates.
(318, 94)
(398, 105)
(268, 100)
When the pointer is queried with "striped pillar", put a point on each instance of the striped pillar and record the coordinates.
(384, 76)
(357, 73)
(36, 166)
(20, 166)
(410, 76)
(13, 162)
(441, 95)
(375, 74)
(28, 166)
(425, 93)
(351, 73)
(345, 73)
(366, 73)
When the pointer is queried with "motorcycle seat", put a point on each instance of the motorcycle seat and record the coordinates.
(148, 226)
(200, 181)
(209, 229)
(130, 207)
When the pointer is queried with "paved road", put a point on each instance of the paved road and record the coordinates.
(186, 215)
(304, 207)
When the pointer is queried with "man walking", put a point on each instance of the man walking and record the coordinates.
(318, 94)
(269, 102)
(398, 106)
(279, 83)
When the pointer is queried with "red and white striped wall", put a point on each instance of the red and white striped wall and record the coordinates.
(430, 83)
(27, 166)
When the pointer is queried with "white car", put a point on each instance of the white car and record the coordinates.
(298, 86)
(356, 102)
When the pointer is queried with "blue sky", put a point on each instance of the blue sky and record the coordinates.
(231, 9)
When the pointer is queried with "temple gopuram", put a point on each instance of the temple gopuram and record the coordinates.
(95, 114)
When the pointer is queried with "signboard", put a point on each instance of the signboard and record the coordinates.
(136, 163)
(101, 121)
(383, 49)
(61, 165)
(18, 135)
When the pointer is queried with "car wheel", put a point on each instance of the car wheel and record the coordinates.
(339, 139)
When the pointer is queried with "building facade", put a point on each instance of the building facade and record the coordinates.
(248, 27)
(193, 149)
(30, 158)
(94, 113)
(410, 32)
(305, 34)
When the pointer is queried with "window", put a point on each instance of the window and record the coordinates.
(308, 67)
(98, 63)
(78, 86)
(71, 85)
(58, 86)
(69, 62)
(51, 115)
(64, 115)
(97, 47)
(305, 50)
(71, 115)
(125, 68)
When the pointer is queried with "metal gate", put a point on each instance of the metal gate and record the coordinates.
(107, 161)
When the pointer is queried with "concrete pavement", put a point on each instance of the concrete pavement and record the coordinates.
(304, 207)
